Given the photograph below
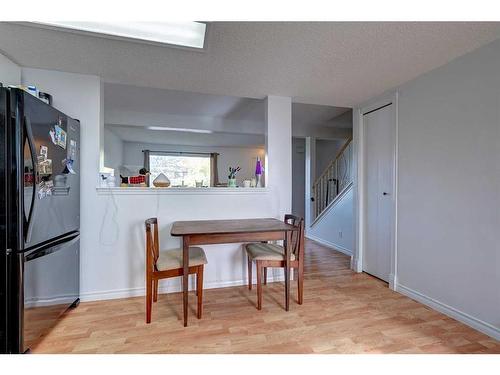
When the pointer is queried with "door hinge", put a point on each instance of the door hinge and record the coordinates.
(8, 251)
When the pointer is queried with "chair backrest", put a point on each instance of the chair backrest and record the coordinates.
(152, 243)
(297, 240)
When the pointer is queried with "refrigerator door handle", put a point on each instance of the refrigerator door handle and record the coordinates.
(52, 249)
(52, 245)
(34, 161)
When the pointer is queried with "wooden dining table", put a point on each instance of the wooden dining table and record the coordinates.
(207, 232)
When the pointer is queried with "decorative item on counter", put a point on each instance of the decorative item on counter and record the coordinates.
(258, 173)
(182, 174)
(253, 182)
(247, 183)
(161, 181)
(139, 180)
(111, 181)
(198, 184)
(231, 179)
(135, 181)
(107, 180)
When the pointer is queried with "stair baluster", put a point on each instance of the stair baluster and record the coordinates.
(334, 179)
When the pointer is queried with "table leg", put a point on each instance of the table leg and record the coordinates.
(185, 276)
(288, 243)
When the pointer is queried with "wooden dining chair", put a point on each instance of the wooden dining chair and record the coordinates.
(162, 264)
(267, 255)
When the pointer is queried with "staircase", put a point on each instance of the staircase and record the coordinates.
(336, 177)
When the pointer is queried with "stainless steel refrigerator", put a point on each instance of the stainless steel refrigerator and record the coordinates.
(39, 218)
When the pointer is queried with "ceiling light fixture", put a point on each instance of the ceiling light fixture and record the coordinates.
(187, 130)
(185, 34)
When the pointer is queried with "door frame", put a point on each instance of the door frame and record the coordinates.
(360, 188)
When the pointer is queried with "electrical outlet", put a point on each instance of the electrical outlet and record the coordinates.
(340, 234)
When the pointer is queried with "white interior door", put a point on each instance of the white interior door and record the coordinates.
(379, 128)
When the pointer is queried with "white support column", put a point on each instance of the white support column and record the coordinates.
(278, 168)
(358, 188)
(101, 130)
(310, 177)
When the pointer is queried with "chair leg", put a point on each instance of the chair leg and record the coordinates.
(265, 275)
(155, 291)
(249, 273)
(300, 284)
(149, 299)
(199, 290)
(259, 286)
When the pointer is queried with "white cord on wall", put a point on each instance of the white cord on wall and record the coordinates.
(113, 221)
(157, 202)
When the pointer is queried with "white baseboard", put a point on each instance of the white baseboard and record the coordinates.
(49, 301)
(393, 283)
(171, 288)
(467, 319)
(354, 264)
(331, 245)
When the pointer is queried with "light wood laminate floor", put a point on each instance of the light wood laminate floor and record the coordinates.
(343, 312)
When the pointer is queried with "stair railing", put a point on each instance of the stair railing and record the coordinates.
(334, 179)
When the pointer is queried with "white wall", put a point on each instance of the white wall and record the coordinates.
(118, 261)
(10, 72)
(113, 152)
(326, 151)
(343, 121)
(339, 127)
(310, 172)
(449, 185)
(112, 224)
(298, 176)
(279, 149)
(336, 226)
(245, 157)
(448, 236)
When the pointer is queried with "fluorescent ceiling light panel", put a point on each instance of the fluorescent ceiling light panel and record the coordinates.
(186, 34)
(187, 130)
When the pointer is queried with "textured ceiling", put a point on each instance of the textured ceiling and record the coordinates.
(331, 63)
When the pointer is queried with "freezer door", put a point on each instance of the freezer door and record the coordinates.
(51, 285)
(51, 187)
